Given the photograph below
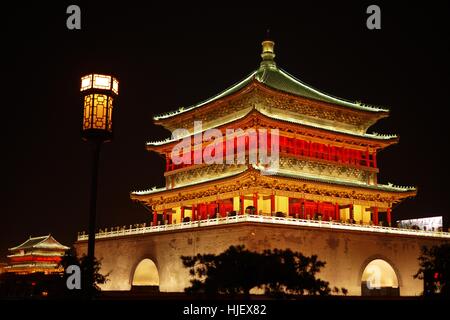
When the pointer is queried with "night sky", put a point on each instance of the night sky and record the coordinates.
(176, 56)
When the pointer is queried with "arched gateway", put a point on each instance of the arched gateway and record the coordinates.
(379, 279)
(300, 159)
(146, 276)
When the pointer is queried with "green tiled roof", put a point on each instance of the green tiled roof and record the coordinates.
(308, 177)
(279, 79)
(272, 76)
(375, 136)
(300, 176)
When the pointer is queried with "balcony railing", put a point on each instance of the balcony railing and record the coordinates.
(143, 229)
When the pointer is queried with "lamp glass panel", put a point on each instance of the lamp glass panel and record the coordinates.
(87, 111)
(86, 82)
(100, 111)
(115, 87)
(102, 82)
(110, 111)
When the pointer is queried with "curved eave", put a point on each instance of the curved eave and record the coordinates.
(409, 191)
(292, 86)
(385, 140)
(160, 119)
(52, 253)
(399, 192)
(318, 95)
(135, 195)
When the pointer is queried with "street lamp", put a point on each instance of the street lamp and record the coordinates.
(99, 93)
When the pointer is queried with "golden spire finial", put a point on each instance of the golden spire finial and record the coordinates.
(268, 52)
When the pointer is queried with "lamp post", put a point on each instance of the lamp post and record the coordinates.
(98, 94)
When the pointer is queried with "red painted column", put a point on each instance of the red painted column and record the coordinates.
(204, 209)
(224, 149)
(375, 215)
(224, 208)
(351, 213)
(219, 209)
(336, 212)
(367, 158)
(321, 151)
(164, 216)
(255, 202)
(241, 203)
(257, 145)
(302, 209)
(374, 156)
(317, 207)
(170, 218)
(295, 146)
(182, 213)
(272, 203)
(155, 218)
(215, 209)
(359, 158)
(201, 211)
(289, 207)
(388, 214)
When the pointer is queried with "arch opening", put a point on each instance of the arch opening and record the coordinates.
(379, 279)
(146, 276)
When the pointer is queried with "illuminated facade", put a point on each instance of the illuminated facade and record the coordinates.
(37, 254)
(327, 160)
(323, 198)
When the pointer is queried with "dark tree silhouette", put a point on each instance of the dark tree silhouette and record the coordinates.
(280, 273)
(435, 270)
(292, 273)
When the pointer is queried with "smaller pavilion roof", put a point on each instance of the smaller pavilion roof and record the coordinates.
(42, 242)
